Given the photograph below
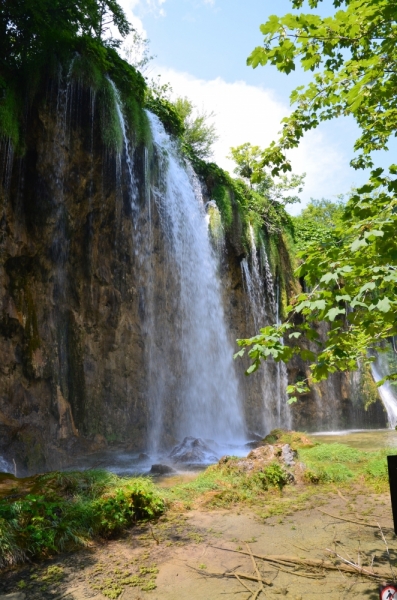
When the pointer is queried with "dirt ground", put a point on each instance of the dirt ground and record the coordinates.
(173, 559)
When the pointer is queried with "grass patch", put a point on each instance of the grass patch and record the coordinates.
(47, 514)
(326, 463)
(225, 484)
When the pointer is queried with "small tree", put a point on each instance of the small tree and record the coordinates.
(200, 134)
(249, 166)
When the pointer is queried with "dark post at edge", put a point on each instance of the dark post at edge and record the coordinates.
(392, 467)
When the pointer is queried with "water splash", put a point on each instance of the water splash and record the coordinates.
(201, 380)
(386, 392)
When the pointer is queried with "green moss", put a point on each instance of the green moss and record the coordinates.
(295, 439)
(112, 134)
(10, 114)
(221, 195)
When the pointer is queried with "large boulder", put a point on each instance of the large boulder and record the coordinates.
(260, 458)
(161, 470)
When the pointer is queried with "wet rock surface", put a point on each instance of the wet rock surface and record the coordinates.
(193, 451)
(161, 470)
(260, 458)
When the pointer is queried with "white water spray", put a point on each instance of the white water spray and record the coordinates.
(386, 393)
(204, 385)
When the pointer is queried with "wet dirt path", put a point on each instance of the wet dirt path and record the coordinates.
(173, 558)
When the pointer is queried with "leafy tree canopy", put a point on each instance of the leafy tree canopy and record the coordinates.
(352, 275)
(250, 168)
(29, 27)
(317, 222)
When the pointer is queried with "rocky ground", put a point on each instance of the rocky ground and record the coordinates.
(195, 555)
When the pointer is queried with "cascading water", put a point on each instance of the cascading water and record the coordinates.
(131, 185)
(200, 382)
(5, 466)
(276, 412)
(386, 392)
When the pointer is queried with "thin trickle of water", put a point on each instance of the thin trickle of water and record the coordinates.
(259, 283)
(206, 396)
(126, 149)
(386, 392)
(5, 466)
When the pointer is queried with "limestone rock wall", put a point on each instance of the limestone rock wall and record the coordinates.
(73, 320)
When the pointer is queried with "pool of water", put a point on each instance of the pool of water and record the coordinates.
(363, 439)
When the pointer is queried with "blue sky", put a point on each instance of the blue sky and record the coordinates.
(201, 47)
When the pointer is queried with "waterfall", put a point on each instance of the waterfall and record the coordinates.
(386, 392)
(259, 282)
(198, 381)
(5, 466)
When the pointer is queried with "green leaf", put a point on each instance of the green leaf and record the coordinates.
(295, 335)
(320, 304)
(334, 312)
(384, 305)
(329, 277)
(358, 243)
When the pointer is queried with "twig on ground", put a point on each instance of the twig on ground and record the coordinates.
(231, 574)
(347, 567)
(352, 564)
(341, 496)
(387, 550)
(300, 573)
(300, 547)
(153, 536)
(349, 520)
(260, 589)
(243, 584)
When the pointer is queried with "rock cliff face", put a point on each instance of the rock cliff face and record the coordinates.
(75, 262)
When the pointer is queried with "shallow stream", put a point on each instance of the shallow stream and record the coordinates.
(363, 439)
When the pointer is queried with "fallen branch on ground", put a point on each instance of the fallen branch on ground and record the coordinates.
(231, 574)
(260, 589)
(316, 563)
(349, 520)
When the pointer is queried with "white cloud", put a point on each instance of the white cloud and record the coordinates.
(129, 6)
(246, 113)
